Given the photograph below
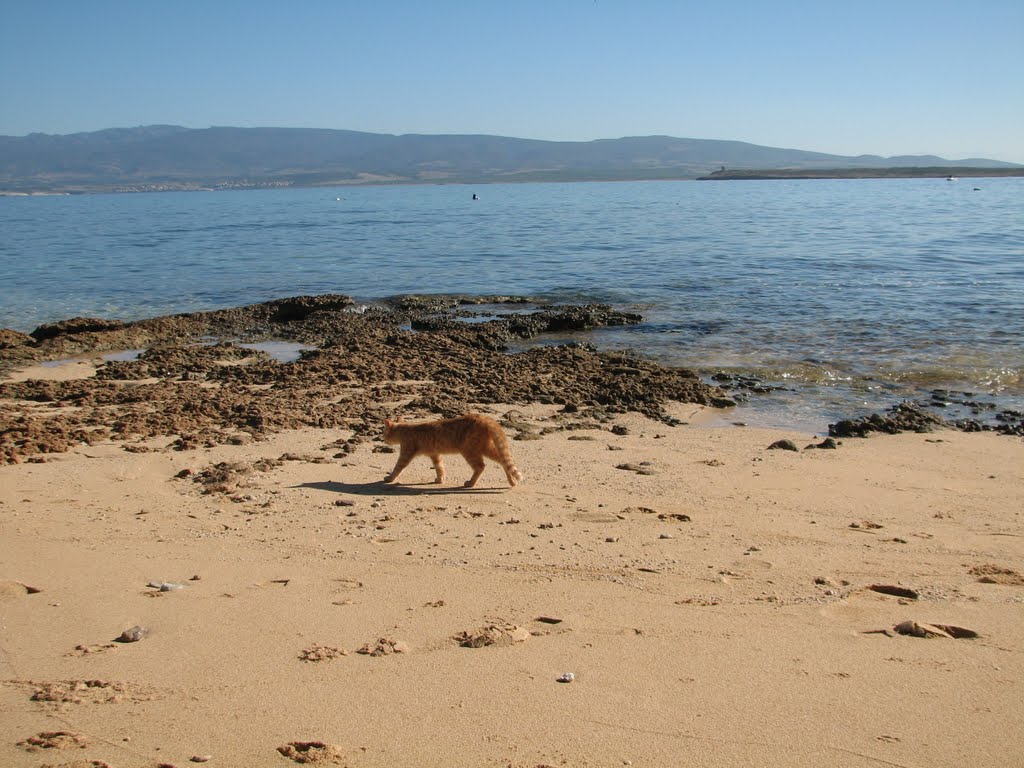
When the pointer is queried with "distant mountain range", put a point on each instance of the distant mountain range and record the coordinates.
(159, 157)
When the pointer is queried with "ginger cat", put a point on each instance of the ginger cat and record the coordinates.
(472, 435)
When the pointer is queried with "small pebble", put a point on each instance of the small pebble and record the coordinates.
(568, 677)
(201, 758)
(132, 635)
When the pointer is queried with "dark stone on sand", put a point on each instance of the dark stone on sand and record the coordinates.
(783, 445)
(643, 468)
(905, 417)
(895, 591)
(828, 443)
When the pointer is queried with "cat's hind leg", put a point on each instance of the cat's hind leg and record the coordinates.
(504, 457)
(438, 468)
(477, 464)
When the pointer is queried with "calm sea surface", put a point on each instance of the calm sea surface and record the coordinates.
(853, 293)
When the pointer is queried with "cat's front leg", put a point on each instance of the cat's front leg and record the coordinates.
(403, 461)
(478, 469)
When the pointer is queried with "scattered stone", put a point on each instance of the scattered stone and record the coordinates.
(548, 620)
(677, 516)
(566, 677)
(201, 758)
(866, 525)
(784, 445)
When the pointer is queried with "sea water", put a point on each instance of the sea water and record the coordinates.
(851, 294)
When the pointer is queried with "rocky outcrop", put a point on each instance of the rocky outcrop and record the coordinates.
(365, 360)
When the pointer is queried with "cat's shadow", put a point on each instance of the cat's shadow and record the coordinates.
(379, 488)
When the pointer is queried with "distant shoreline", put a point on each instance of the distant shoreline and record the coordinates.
(861, 173)
(530, 178)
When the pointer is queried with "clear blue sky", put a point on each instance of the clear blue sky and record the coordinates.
(887, 77)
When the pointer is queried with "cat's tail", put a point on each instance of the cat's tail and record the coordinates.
(504, 456)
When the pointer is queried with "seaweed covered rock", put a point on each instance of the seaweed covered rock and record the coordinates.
(184, 387)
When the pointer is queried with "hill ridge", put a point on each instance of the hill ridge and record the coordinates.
(154, 157)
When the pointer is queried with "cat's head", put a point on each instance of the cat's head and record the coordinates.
(390, 437)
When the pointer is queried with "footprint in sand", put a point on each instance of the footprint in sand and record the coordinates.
(916, 629)
(57, 693)
(498, 634)
(994, 574)
(311, 752)
(322, 653)
(54, 740)
(385, 646)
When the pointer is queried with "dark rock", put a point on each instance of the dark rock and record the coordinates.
(905, 417)
(889, 589)
(784, 445)
(211, 394)
(10, 339)
(74, 326)
(828, 443)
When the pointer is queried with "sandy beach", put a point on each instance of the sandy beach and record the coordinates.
(260, 598)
